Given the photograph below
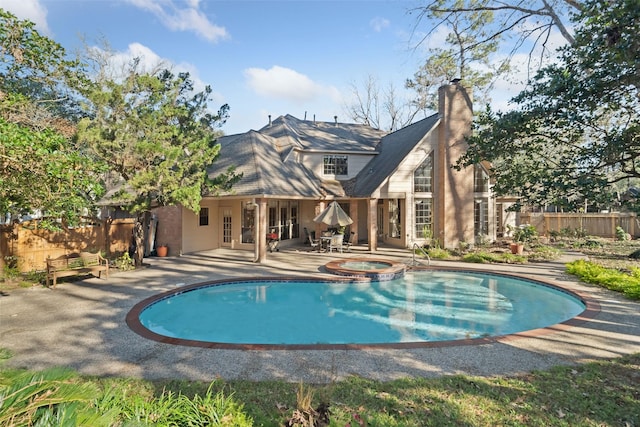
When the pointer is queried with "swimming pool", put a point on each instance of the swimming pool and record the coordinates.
(422, 307)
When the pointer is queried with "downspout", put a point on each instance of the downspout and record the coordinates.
(256, 222)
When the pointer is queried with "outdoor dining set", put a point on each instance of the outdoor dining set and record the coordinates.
(337, 219)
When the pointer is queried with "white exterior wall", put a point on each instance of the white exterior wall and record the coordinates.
(400, 186)
(196, 237)
(402, 180)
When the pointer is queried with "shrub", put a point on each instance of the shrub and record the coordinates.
(51, 397)
(525, 233)
(590, 243)
(544, 253)
(10, 269)
(628, 284)
(622, 235)
(438, 253)
(478, 257)
(174, 409)
(483, 257)
(124, 262)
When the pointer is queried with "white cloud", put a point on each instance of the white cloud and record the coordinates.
(150, 62)
(378, 24)
(286, 84)
(31, 10)
(438, 38)
(189, 18)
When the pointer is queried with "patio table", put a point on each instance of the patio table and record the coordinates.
(324, 242)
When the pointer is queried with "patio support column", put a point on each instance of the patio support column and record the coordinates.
(319, 208)
(261, 230)
(353, 213)
(372, 221)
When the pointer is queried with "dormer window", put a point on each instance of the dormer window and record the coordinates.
(335, 165)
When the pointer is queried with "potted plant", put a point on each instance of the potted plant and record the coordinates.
(525, 233)
(517, 247)
(162, 250)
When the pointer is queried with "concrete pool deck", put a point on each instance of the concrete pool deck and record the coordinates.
(81, 324)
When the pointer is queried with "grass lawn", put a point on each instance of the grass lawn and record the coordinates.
(605, 393)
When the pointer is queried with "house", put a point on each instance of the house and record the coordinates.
(399, 188)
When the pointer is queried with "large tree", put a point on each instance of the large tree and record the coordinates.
(575, 132)
(467, 52)
(41, 169)
(514, 22)
(157, 136)
(379, 108)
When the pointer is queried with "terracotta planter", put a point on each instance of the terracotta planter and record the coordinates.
(517, 248)
(162, 250)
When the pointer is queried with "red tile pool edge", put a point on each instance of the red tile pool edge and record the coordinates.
(592, 308)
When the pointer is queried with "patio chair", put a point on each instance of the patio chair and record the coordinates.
(272, 241)
(315, 243)
(336, 242)
(351, 241)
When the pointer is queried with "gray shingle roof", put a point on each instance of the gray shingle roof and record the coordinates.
(392, 150)
(264, 172)
(324, 136)
(268, 170)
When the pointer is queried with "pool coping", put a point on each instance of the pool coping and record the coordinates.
(592, 309)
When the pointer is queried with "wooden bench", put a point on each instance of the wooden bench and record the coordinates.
(75, 264)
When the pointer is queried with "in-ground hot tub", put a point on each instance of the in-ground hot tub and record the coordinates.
(367, 268)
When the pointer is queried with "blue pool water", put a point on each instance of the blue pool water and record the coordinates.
(421, 307)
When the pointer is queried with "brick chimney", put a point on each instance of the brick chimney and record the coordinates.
(454, 198)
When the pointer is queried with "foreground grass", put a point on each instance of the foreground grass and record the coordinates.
(598, 394)
(605, 393)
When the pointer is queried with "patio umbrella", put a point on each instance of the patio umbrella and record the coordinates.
(333, 215)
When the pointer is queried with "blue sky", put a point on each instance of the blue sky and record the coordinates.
(261, 57)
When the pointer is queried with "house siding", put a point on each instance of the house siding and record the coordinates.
(198, 237)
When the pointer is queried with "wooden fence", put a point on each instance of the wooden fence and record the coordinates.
(30, 246)
(593, 224)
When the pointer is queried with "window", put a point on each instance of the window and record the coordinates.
(204, 216)
(336, 165)
(226, 226)
(499, 220)
(481, 180)
(395, 224)
(295, 228)
(272, 217)
(282, 218)
(248, 223)
(481, 217)
(423, 176)
(284, 221)
(424, 218)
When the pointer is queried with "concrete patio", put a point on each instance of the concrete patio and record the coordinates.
(81, 324)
